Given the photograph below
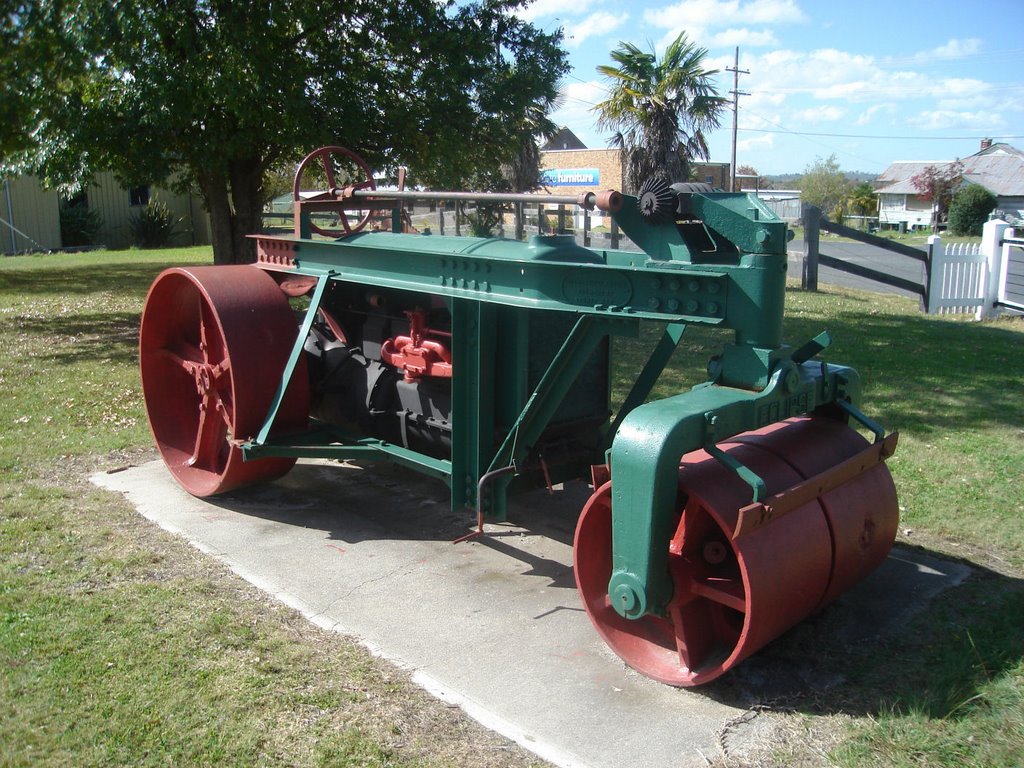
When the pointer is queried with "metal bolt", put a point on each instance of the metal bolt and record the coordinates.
(654, 302)
(626, 599)
(714, 552)
(693, 286)
(692, 306)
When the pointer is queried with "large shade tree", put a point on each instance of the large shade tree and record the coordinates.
(660, 110)
(210, 94)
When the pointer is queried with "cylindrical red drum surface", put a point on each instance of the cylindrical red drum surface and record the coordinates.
(733, 596)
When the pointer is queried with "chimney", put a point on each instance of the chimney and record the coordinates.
(986, 143)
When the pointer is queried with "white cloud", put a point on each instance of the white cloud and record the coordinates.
(953, 49)
(960, 87)
(755, 121)
(869, 114)
(758, 100)
(724, 22)
(950, 120)
(830, 74)
(598, 23)
(956, 49)
(748, 38)
(763, 141)
(691, 14)
(820, 114)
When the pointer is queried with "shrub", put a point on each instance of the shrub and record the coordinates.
(153, 226)
(970, 209)
(79, 224)
(483, 220)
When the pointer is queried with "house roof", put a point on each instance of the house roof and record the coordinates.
(1000, 174)
(998, 168)
(563, 139)
(896, 178)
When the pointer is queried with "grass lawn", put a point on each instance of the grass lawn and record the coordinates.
(121, 644)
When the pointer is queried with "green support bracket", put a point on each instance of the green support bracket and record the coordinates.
(552, 388)
(360, 448)
(293, 358)
(648, 376)
(747, 475)
(876, 429)
(645, 459)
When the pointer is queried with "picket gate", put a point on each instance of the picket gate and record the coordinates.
(958, 277)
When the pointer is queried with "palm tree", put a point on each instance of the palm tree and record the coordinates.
(660, 110)
(522, 172)
(862, 198)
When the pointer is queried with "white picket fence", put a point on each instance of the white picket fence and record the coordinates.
(979, 278)
(959, 275)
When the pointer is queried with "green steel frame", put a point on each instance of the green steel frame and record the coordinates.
(724, 266)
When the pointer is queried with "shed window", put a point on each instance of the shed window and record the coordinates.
(138, 195)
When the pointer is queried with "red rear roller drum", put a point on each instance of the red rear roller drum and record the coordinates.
(213, 345)
(731, 597)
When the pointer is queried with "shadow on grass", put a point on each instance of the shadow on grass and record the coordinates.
(924, 374)
(108, 337)
(938, 663)
(75, 280)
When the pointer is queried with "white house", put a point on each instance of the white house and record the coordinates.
(999, 168)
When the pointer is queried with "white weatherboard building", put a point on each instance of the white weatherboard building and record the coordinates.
(999, 168)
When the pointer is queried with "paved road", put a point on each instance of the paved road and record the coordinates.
(862, 255)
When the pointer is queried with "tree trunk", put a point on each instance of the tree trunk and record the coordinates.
(235, 210)
(247, 196)
(218, 203)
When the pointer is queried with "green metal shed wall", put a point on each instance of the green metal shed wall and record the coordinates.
(31, 210)
(111, 200)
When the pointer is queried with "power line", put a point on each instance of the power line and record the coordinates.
(868, 136)
(811, 140)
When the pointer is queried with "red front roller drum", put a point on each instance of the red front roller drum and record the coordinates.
(213, 345)
(731, 597)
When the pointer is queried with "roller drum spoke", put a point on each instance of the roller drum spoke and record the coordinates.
(211, 436)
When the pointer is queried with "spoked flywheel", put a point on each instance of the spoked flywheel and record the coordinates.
(731, 596)
(213, 345)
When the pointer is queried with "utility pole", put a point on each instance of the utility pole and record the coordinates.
(736, 93)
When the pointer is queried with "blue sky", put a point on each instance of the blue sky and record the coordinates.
(870, 82)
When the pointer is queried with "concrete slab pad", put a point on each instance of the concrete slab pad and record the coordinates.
(493, 625)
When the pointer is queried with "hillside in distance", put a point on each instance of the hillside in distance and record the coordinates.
(792, 180)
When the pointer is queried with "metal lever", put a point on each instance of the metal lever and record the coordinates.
(812, 347)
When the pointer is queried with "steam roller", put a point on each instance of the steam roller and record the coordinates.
(721, 516)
